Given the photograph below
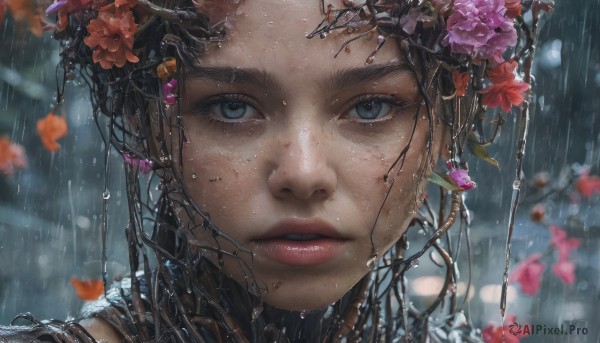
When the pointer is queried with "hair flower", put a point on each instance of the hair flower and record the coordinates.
(462, 179)
(479, 28)
(168, 96)
(144, 165)
(506, 90)
(111, 37)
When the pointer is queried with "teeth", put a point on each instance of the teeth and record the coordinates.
(301, 237)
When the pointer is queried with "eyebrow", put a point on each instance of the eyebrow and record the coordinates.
(340, 79)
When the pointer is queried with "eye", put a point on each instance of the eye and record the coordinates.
(233, 109)
(229, 108)
(369, 110)
(373, 107)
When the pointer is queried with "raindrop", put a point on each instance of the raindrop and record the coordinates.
(302, 314)
(516, 184)
(414, 263)
(106, 194)
(371, 262)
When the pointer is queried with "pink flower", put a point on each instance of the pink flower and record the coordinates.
(168, 96)
(145, 165)
(479, 28)
(500, 334)
(529, 274)
(565, 270)
(462, 179)
(563, 244)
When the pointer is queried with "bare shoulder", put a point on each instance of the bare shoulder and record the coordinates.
(101, 330)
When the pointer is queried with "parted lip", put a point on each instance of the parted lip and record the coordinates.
(299, 226)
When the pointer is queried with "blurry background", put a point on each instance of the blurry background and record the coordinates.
(50, 212)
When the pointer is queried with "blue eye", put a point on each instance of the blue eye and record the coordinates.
(370, 110)
(233, 109)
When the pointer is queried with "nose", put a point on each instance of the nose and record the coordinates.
(303, 169)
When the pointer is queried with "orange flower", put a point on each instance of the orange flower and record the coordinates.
(513, 8)
(88, 289)
(26, 11)
(11, 156)
(50, 128)
(166, 69)
(461, 82)
(111, 37)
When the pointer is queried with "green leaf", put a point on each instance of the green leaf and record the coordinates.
(480, 150)
(444, 181)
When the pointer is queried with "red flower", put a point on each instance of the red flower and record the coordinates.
(513, 8)
(11, 156)
(50, 128)
(565, 270)
(111, 36)
(504, 72)
(461, 82)
(501, 334)
(563, 244)
(505, 90)
(529, 274)
(505, 94)
(88, 289)
(588, 185)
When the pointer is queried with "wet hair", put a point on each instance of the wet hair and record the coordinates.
(186, 298)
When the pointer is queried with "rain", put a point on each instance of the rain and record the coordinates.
(51, 208)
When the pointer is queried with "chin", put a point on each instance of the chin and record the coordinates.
(305, 296)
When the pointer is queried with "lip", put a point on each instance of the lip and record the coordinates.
(327, 244)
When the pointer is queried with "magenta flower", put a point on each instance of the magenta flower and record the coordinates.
(565, 270)
(479, 28)
(56, 6)
(462, 179)
(529, 274)
(144, 166)
(168, 96)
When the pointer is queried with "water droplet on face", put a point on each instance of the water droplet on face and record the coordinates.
(194, 176)
(284, 103)
(106, 195)
(370, 60)
(371, 262)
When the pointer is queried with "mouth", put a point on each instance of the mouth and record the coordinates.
(301, 243)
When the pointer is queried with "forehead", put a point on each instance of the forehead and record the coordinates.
(271, 35)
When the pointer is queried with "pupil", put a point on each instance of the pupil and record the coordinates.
(369, 110)
(233, 109)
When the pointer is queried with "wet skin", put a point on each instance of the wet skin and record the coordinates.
(287, 149)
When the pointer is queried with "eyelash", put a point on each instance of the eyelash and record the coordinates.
(204, 108)
(397, 106)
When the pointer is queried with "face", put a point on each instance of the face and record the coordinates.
(286, 149)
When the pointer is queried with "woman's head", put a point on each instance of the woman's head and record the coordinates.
(293, 138)
(288, 151)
